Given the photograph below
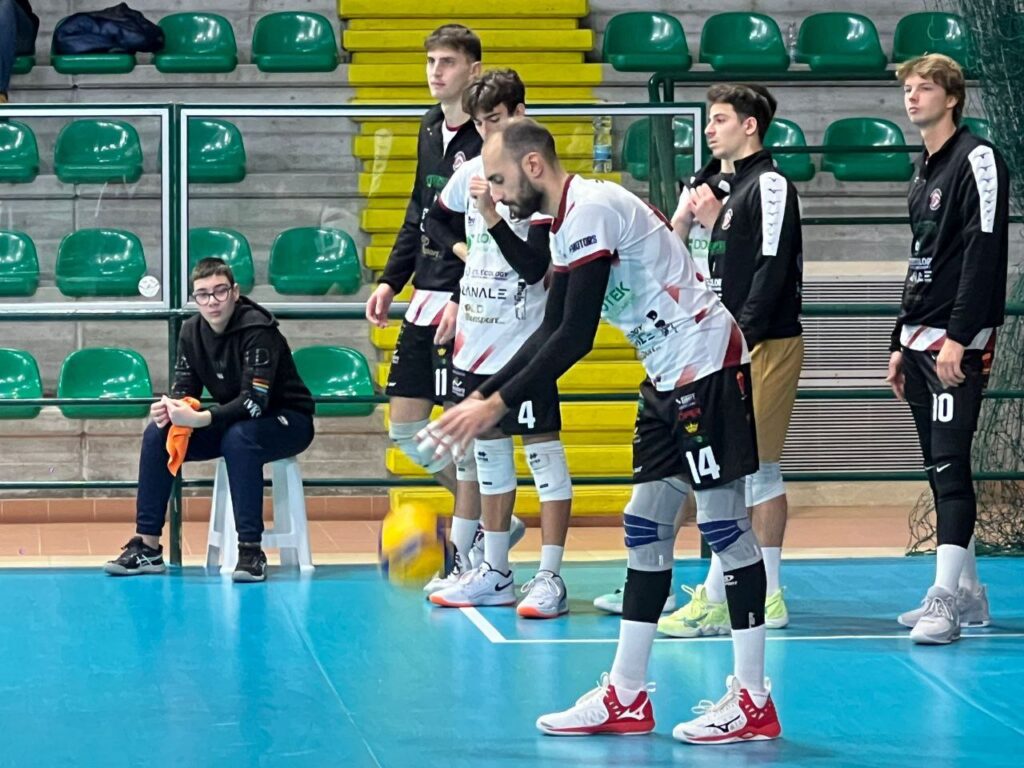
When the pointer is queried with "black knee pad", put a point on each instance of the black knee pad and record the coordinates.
(645, 595)
(745, 591)
(956, 507)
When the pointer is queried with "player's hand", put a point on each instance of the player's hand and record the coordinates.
(461, 251)
(446, 328)
(158, 413)
(182, 415)
(378, 304)
(480, 191)
(705, 206)
(455, 431)
(947, 364)
(896, 378)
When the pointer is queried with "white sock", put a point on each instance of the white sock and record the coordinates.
(629, 670)
(551, 557)
(949, 564)
(772, 560)
(463, 533)
(969, 575)
(748, 661)
(496, 550)
(715, 582)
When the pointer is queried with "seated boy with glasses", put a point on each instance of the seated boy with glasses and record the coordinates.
(263, 413)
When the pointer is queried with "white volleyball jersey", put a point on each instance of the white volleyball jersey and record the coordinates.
(498, 310)
(680, 329)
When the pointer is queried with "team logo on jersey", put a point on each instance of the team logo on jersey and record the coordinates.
(692, 428)
(459, 159)
(583, 242)
(935, 199)
(727, 220)
(690, 414)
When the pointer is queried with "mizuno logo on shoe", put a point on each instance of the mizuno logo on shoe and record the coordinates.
(724, 727)
(633, 714)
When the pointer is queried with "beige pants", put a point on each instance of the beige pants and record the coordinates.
(775, 368)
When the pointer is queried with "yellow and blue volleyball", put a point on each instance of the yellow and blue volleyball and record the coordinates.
(412, 545)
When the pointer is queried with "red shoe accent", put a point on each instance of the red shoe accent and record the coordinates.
(529, 612)
(762, 723)
(635, 719)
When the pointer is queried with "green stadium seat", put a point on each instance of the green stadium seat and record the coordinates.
(197, 42)
(106, 372)
(979, 127)
(90, 63)
(743, 42)
(336, 372)
(643, 41)
(19, 265)
(100, 262)
(312, 261)
(860, 166)
(636, 149)
(294, 42)
(19, 380)
(928, 32)
(98, 152)
(840, 42)
(785, 133)
(19, 154)
(227, 245)
(682, 144)
(23, 65)
(216, 152)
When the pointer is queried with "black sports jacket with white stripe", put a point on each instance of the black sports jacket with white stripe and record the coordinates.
(756, 251)
(959, 205)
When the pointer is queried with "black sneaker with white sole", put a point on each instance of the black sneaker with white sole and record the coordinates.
(252, 563)
(136, 559)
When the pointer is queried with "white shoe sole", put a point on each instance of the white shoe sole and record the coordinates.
(715, 742)
(963, 624)
(698, 632)
(529, 612)
(923, 639)
(777, 623)
(119, 570)
(241, 577)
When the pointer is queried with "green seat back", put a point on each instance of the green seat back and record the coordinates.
(100, 262)
(866, 131)
(929, 32)
(225, 244)
(23, 65)
(19, 379)
(19, 265)
(216, 152)
(979, 127)
(98, 152)
(840, 42)
(314, 261)
(197, 42)
(636, 149)
(643, 41)
(19, 153)
(785, 133)
(294, 42)
(106, 372)
(743, 42)
(89, 63)
(336, 372)
(682, 144)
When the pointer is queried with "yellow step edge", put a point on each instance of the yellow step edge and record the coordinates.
(382, 241)
(492, 40)
(381, 145)
(388, 203)
(392, 95)
(426, 26)
(584, 418)
(607, 337)
(504, 60)
(557, 126)
(582, 378)
(589, 500)
(583, 461)
(532, 74)
(459, 9)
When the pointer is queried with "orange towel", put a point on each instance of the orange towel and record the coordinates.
(177, 440)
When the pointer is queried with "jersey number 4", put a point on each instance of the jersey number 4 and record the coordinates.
(704, 465)
(526, 417)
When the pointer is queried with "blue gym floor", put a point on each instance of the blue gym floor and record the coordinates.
(344, 670)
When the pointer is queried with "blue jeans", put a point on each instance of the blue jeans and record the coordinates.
(245, 445)
(17, 38)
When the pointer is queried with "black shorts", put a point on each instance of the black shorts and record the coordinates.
(955, 408)
(703, 432)
(420, 368)
(536, 414)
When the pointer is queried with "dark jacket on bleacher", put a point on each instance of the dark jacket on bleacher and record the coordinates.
(436, 268)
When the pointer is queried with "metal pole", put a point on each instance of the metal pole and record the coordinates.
(175, 319)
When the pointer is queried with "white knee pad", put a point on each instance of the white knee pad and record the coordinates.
(765, 484)
(404, 435)
(495, 466)
(723, 522)
(465, 468)
(649, 520)
(549, 470)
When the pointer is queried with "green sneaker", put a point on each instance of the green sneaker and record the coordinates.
(698, 618)
(775, 614)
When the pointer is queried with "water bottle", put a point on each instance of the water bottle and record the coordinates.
(791, 36)
(603, 144)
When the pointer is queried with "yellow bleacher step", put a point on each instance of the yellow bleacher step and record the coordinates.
(582, 378)
(404, 147)
(560, 94)
(557, 126)
(492, 40)
(533, 74)
(590, 500)
(388, 203)
(376, 257)
(459, 9)
(608, 337)
(383, 220)
(504, 60)
(583, 461)
(601, 418)
(428, 25)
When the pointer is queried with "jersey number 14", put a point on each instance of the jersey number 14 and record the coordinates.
(704, 466)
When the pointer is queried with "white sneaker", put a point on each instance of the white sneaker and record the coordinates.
(600, 711)
(480, 586)
(972, 605)
(612, 602)
(734, 717)
(940, 622)
(546, 597)
(440, 582)
(476, 553)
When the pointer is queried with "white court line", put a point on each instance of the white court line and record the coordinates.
(489, 630)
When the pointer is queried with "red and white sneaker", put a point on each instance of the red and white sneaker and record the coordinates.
(600, 711)
(734, 717)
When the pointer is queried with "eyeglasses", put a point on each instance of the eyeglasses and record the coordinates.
(220, 293)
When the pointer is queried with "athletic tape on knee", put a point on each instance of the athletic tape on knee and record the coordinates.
(550, 471)
(649, 520)
(765, 484)
(723, 522)
(465, 468)
(495, 466)
(404, 436)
